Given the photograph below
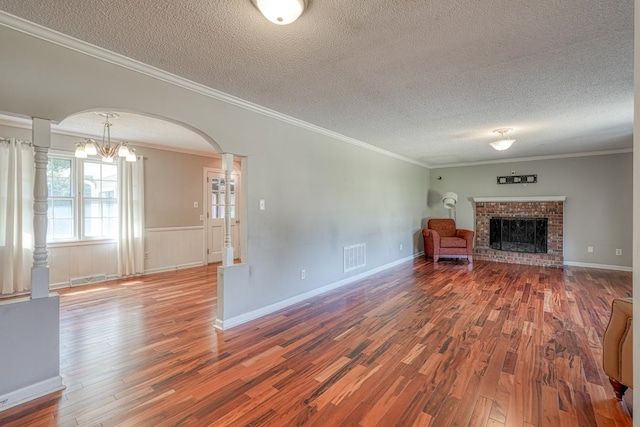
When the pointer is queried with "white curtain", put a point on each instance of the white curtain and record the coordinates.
(16, 215)
(131, 217)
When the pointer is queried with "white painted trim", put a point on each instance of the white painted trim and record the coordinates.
(521, 199)
(31, 392)
(599, 266)
(531, 159)
(161, 229)
(174, 267)
(252, 315)
(81, 243)
(52, 36)
(60, 285)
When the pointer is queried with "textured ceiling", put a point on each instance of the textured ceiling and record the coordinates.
(428, 80)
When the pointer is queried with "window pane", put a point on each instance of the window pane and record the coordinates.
(93, 227)
(92, 170)
(62, 209)
(109, 189)
(110, 209)
(60, 187)
(92, 209)
(109, 172)
(63, 228)
(59, 168)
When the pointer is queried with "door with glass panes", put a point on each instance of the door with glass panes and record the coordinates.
(216, 213)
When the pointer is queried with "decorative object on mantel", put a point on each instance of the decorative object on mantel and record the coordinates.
(105, 149)
(518, 179)
(504, 142)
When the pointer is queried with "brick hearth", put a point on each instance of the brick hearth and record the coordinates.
(515, 207)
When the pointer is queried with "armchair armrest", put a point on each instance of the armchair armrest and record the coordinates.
(431, 242)
(433, 235)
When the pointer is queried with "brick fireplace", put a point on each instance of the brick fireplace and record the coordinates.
(551, 208)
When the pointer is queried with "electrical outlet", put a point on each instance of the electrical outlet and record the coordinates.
(303, 274)
(590, 249)
(195, 204)
(146, 255)
(201, 217)
(261, 204)
(618, 251)
(401, 246)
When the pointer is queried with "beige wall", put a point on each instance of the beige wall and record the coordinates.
(173, 182)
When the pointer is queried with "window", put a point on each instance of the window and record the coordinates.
(100, 193)
(218, 199)
(61, 201)
(83, 199)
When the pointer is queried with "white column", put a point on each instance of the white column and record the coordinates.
(227, 250)
(40, 271)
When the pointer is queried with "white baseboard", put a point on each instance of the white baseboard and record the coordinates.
(174, 267)
(60, 285)
(601, 266)
(31, 392)
(255, 314)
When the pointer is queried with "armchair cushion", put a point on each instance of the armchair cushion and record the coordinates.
(452, 242)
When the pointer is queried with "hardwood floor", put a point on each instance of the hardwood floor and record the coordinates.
(417, 345)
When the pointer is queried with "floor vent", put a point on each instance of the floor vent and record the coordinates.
(355, 256)
(79, 281)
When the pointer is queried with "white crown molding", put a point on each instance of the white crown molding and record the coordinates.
(534, 158)
(60, 39)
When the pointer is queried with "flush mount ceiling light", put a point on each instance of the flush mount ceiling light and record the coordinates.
(107, 150)
(504, 142)
(281, 12)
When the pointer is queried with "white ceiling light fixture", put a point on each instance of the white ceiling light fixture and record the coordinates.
(107, 150)
(504, 142)
(281, 12)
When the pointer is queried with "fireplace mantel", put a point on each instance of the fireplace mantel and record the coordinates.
(508, 199)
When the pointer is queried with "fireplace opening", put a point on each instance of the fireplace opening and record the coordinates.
(518, 234)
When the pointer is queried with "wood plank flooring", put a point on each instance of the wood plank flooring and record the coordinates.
(417, 345)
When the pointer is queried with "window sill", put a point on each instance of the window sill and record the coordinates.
(80, 243)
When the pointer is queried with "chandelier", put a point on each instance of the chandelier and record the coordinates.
(105, 149)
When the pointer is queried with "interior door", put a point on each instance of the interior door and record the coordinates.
(216, 212)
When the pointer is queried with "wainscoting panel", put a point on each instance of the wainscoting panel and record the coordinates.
(81, 260)
(174, 248)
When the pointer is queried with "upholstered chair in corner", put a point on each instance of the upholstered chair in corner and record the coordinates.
(443, 240)
(617, 351)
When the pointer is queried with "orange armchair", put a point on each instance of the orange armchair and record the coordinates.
(617, 351)
(442, 239)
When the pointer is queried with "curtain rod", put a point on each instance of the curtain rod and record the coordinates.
(20, 141)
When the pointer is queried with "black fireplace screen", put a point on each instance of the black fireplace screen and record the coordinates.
(518, 234)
